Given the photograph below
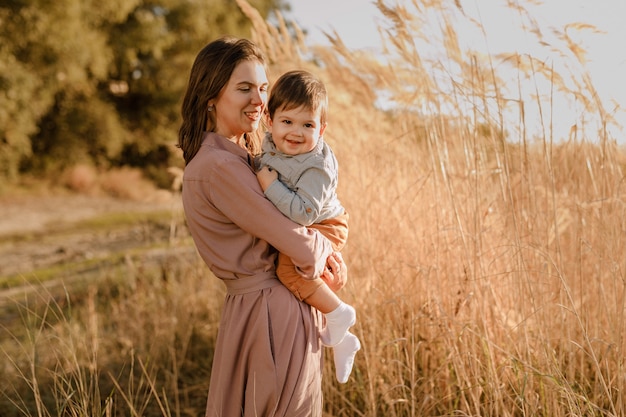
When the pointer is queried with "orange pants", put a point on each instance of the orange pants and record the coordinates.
(336, 231)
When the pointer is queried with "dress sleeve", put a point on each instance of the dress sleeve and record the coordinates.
(236, 192)
(305, 204)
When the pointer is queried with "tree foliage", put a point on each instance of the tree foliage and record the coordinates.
(100, 82)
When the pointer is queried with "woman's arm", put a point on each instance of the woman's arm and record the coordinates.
(336, 273)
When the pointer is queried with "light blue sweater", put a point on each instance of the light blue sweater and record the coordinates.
(306, 190)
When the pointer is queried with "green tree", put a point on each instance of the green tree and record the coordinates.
(101, 82)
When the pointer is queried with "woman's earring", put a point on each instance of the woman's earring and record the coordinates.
(210, 109)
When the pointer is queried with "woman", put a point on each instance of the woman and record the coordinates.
(268, 353)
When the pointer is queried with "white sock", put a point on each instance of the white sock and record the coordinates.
(338, 322)
(344, 354)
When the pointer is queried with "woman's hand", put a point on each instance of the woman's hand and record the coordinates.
(266, 177)
(335, 274)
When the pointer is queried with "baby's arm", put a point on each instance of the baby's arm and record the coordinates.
(305, 202)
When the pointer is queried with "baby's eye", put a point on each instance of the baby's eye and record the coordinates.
(287, 122)
(309, 125)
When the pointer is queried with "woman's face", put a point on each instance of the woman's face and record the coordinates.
(239, 106)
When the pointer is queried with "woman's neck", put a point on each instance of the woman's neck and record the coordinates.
(237, 139)
(240, 140)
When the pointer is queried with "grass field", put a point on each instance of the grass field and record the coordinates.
(486, 265)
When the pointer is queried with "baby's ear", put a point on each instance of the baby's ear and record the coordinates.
(268, 122)
(323, 128)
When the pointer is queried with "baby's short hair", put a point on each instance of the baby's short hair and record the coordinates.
(298, 88)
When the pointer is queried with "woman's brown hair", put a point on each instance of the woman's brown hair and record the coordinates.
(210, 73)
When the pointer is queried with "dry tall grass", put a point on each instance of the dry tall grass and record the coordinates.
(487, 266)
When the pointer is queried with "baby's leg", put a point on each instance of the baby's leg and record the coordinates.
(324, 299)
(339, 315)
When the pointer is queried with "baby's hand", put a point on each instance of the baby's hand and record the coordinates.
(266, 177)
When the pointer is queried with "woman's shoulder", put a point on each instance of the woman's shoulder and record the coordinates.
(216, 154)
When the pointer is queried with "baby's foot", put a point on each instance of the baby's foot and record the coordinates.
(338, 322)
(344, 354)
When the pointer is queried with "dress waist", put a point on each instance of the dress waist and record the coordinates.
(252, 283)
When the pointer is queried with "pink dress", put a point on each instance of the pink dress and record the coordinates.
(268, 357)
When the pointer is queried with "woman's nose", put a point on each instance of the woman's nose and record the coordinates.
(258, 97)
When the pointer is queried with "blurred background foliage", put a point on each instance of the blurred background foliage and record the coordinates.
(100, 83)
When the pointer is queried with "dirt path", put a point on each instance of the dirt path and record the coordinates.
(36, 231)
(33, 213)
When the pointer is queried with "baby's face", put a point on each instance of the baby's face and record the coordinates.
(296, 131)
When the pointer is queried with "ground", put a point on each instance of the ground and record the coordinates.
(24, 213)
(39, 231)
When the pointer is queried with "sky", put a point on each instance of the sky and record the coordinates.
(355, 22)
